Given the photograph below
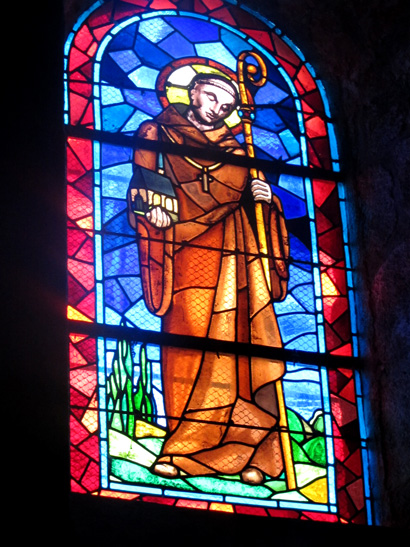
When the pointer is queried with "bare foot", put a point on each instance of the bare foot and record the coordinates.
(251, 475)
(166, 470)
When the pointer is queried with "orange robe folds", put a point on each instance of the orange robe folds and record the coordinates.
(203, 275)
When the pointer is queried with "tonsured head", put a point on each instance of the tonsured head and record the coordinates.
(212, 98)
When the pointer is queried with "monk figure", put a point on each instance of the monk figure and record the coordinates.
(202, 274)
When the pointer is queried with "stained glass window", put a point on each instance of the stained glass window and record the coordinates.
(213, 345)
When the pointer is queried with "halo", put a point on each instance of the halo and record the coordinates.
(174, 80)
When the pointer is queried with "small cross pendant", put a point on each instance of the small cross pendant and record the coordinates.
(205, 178)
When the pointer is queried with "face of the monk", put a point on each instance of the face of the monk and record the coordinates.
(210, 103)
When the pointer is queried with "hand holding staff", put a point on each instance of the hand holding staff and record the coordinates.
(246, 70)
(249, 71)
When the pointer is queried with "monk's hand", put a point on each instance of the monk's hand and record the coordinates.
(158, 217)
(261, 190)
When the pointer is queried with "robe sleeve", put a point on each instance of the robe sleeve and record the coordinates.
(155, 246)
(278, 248)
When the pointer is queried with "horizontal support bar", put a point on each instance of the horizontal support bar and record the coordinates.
(209, 153)
(217, 346)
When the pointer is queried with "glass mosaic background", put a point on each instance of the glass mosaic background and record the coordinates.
(126, 62)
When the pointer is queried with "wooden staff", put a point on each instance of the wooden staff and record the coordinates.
(249, 71)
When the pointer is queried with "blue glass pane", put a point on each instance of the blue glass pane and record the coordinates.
(291, 144)
(112, 241)
(111, 155)
(293, 207)
(115, 181)
(114, 117)
(302, 395)
(153, 352)
(287, 112)
(292, 326)
(177, 46)
(217, 52)
(144, 77)
(304, 294)
(135, 121)
(120, 225)
(141, 318)
(295, 161)
(115, 296)
(194, 29)
(154, 29)
(121, 261)
(293, 184)
(267, 118)
(132, 285)
(127, 60)
(269, 142)
(156, 376)
(113, 74)
(111, 95)
(124, 39)
(234, 43)
(302, 373)
(299, 251)
(111, 207)
(259, 153)
(270, 94)
(298, 277)
(112, 317)
(150, 54)
(304, 343)
(289, 305)
(145, 100)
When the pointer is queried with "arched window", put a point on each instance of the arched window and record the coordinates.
(213, 344)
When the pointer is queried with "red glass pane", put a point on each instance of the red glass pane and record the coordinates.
(162, 4)
(338, 277)
(315, 127)
(86, 252)
(78, 205)
(75, 238)
(84, 273)
(91, 447)
(342, 327)
(322, 517)
(332, 339)
(79, 463)
(285, 52)
(78, 400)
(355, 491)
(83, 38)
(261, 36)
(159, 499)
(77, 431)
(212, 4)
(283, 513)
(306, 79)
(345, 350)
(77, 58)
(87, 306)
(91, 478)
(334, 306)
(354, 462)
(248, 510)
(88, 349)
(200, 7)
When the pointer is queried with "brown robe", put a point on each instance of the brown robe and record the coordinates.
(204, 276)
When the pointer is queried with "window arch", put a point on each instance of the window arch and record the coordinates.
(125, 65)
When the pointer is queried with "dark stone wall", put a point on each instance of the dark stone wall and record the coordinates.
(361, 51)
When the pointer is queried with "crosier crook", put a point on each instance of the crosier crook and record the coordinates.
(249, 71)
